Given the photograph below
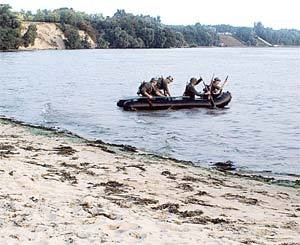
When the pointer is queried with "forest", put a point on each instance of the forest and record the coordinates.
(125, 30)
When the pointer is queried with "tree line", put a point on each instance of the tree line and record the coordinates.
(125, 30)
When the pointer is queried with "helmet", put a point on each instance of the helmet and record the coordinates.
(193, 80)
(170, 78)
(153, 80)
(217, 79)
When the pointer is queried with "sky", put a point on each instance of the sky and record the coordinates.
(276, 14)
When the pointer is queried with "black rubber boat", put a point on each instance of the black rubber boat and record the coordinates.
(163, 103)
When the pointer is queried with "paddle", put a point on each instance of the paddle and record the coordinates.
(224, 82)
(149, 102)
(208, 88)
(205, 86)
(210, 92)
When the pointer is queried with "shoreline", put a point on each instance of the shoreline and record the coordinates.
(200, 47)
(286, 179)
(60, 188)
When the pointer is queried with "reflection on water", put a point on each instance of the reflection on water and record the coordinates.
(78, 90)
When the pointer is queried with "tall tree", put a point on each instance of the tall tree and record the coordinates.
(10, 34)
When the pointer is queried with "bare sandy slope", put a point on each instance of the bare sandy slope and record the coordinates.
(50, 36)
(230, 41)
(61, 189)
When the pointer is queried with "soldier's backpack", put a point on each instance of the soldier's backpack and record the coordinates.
(140, 88)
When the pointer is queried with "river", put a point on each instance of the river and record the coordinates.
(77, 90)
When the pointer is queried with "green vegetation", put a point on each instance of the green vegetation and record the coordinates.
(198, 35)
(10, 37)
(30, 35)
(281, 37)
(10, 30)
(125, 30)
(73, 39)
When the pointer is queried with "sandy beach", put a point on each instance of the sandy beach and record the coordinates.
(57, 188)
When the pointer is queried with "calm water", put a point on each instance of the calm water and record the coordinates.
(78, 90)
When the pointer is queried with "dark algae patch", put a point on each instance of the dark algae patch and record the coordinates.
(185, 186)
(168, 174)
(113, 187)
(224, 166)
(141, 201)
(64, 150)
(190, 216)
(6, 150)
(240, 198)
(138, 166)
(6, 147)
(174, 209)
(96, 210)
(171, 207)
(207, 220)
(268, 180)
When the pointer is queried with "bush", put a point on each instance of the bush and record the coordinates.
(30, 35)
(73, 40)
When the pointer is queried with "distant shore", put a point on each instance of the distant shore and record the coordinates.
(66, 28)
(58, 187)
(47, 49)
(30, 50)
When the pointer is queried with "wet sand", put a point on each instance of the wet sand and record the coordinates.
(60, 188)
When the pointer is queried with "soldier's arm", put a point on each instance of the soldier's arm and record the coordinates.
(218, 87)
(157, 92)
(148, 95)
(166, 89)
(167, 92)
(145, 93)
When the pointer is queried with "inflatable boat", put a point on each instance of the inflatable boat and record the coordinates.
(181, 102)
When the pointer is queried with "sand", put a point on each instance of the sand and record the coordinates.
(57, 188)
(50, 36)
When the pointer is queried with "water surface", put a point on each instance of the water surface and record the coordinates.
(78, 90)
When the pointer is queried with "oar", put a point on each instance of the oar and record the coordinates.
(205, 85)
(224, 82)
(212, 78)
(149, 102)
(210, 91)
(208, 87)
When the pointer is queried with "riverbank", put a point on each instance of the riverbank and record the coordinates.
(60, 188)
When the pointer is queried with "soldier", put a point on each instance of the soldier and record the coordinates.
(216, 88)
(190, 88)
(148, 89)
(213, 90)
(162, 84)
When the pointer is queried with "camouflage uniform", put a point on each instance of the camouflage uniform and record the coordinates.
(215, 87)
(190, 89)
(162, 84)
(147, 87)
